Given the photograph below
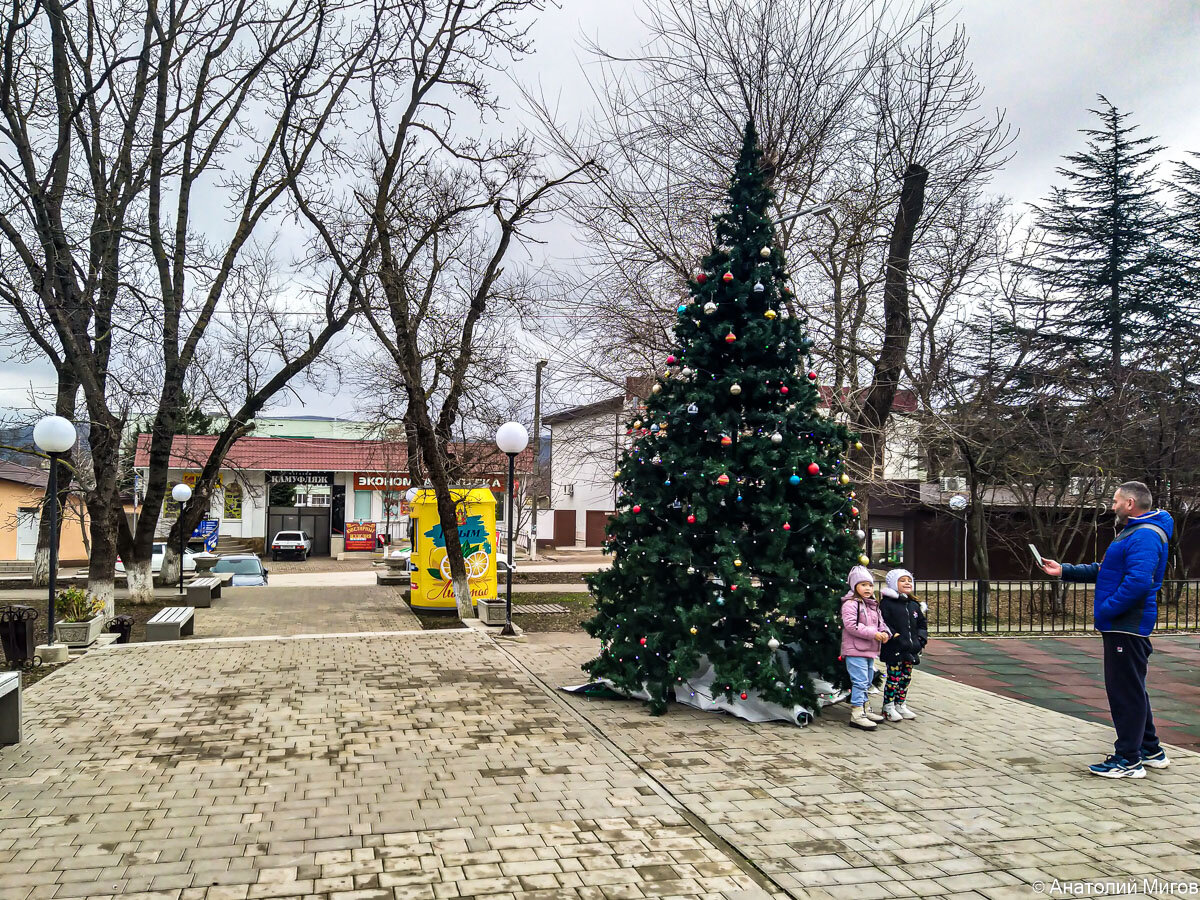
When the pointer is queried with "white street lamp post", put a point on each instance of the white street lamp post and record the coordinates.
(181, 494)
(511, 438)
(55, 435)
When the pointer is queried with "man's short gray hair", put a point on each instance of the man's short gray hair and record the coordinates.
(1138, 493)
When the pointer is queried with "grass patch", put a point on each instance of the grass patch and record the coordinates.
(579, 609)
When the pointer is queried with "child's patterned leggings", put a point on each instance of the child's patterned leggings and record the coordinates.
(899, 675)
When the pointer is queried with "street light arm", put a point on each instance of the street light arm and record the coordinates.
(820, 210)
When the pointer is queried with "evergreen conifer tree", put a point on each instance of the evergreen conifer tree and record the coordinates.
(1104, 244)
(736, 524)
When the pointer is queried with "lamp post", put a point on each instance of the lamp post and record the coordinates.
(511, 438)
(55, 435)
(820, 210)
(959, 503)
(181, 494)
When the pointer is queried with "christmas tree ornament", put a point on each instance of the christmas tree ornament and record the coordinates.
(693, 630)
(727, 277)
(685, 372)
(743, 695)
(637, 508)
(656, 389)
(858, 445)
(726, 440)
(814, 469)
(617, 474)
(733, 587)
(691, 570)
(637, 423)
(764, 252)
(854, 510)
(794, 479)
(784, 389)
(759, 287)
(693, 409)
(860, 534)
(735, 389)
(643, 642)
(701, 278)
(770, 314)
(722, 479)
(667, 483)
(720, 601)
(657, 460)
(682, 307)
(773, 643)
(844, 478)
(776, 438)
(671, 360)
(810, 550)
(864, 560)
(710, 308)
(787, 526)
(691, 519)
(730, 338)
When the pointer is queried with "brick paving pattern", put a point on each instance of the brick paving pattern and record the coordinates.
(1067, 674)
(355, 768)
(982, 796)
(246, 612)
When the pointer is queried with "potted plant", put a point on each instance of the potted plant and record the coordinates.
(81, 617)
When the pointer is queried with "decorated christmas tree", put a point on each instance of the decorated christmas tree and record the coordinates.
(736, 523)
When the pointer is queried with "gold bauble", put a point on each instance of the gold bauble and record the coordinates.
(858, 445)
(770, 314)
(865, 560)
(737, 563)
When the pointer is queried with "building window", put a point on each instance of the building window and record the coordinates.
(887, 547)
(362, 505)
(233, 501)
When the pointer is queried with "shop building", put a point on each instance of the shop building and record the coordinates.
(344, 492)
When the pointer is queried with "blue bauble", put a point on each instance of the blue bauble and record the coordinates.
(681, 308)
(795, 479)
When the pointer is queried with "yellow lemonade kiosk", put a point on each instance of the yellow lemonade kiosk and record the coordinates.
(429, 581)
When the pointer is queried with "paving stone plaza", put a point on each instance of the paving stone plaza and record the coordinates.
(417, 764)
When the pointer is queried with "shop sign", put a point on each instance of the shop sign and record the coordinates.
(360, 535)
(300, 477)
(382, 481)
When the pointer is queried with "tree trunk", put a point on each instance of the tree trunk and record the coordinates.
(169, 574)
(110, 533)
(876, 408)
(140, 580)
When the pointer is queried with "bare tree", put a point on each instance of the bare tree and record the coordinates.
(115, 125)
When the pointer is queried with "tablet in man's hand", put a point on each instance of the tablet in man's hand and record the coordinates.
(1037, 556)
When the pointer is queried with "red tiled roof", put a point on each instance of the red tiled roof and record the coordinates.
(191, 451)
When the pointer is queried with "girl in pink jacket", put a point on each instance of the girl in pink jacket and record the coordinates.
(863, 632)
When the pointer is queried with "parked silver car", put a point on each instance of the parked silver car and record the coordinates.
(247, 569)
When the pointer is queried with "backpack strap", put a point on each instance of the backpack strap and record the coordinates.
(1148, 526)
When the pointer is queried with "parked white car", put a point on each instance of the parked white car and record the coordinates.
(291, 543)
(156, 560)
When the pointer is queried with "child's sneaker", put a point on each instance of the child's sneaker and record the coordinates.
(893, 715)
(905, 712)
(858, 718)
(1118, 767)
(1156, 760)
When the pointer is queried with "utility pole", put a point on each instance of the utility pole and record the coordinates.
(537, 456)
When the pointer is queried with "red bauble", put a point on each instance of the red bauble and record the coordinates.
(814, 469)
(691, 519)
(727, 277)
(783, 390)
(726, 440)
(812, 376)
(637, 509)
(730, 338)
(671, 360)
(743, 695)
(733, 587)
(722, 479)
(643, 642)
(701, 278)
(854, 510)
(787, 527)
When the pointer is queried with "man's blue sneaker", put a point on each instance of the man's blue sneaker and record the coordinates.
(1156, 760)
(1118, 767)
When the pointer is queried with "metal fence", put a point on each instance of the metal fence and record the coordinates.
(1039, 607)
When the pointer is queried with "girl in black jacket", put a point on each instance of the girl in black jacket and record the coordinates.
(905, 615)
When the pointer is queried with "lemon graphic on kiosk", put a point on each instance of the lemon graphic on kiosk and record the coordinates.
(431, 589)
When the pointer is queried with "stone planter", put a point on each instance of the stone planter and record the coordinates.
(204, 562)
(79, 634)
(491, 612)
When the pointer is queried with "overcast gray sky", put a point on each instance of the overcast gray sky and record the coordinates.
(1043, 61)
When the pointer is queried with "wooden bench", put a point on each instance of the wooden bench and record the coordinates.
(202, 591)
(10, 708)
(171, 623)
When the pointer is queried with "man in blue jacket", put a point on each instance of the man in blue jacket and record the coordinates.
(1127, 585)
